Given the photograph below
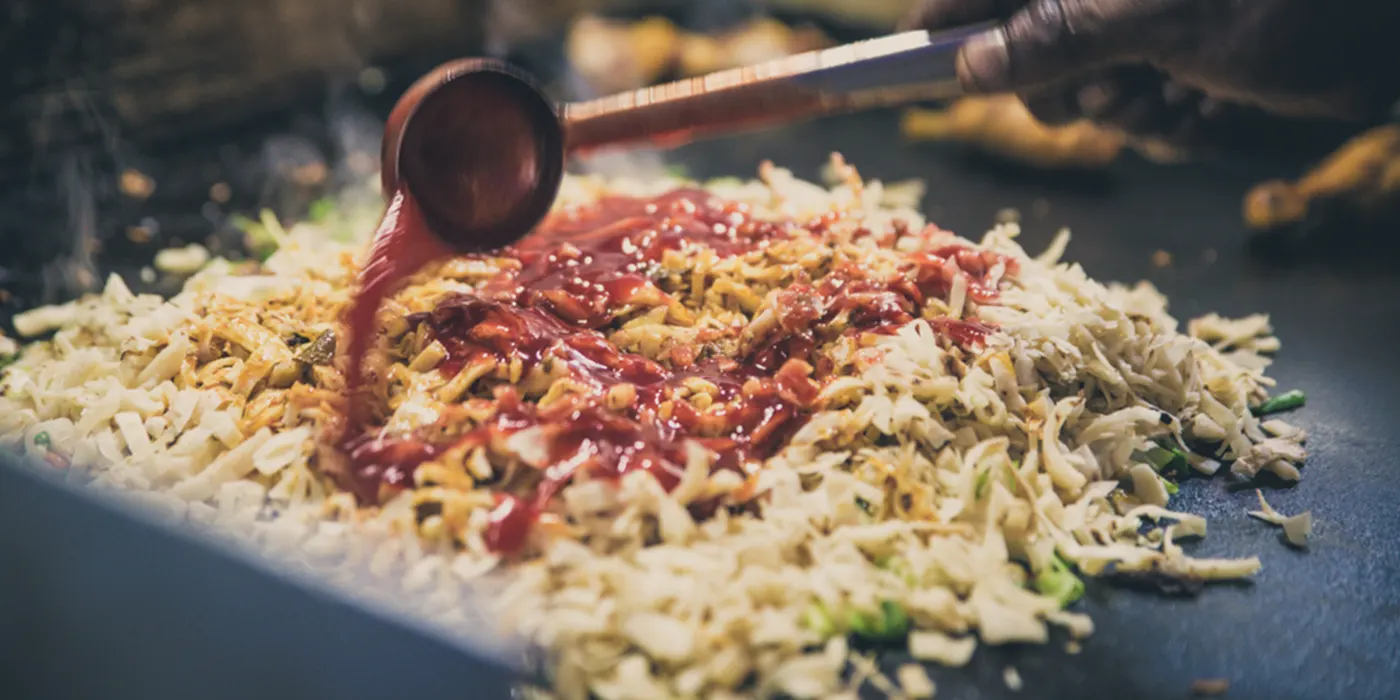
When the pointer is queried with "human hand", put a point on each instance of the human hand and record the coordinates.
(1180, 70)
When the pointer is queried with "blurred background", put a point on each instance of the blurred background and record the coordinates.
(136, 125)
(133, 126)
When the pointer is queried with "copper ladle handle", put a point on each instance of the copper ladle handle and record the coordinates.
(891, 70)
(482, 151)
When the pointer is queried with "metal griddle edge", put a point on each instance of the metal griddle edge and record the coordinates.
(100, 602)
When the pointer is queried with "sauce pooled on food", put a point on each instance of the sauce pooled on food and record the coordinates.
(563, 285)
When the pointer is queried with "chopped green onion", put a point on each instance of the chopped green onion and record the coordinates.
(979, 487)
(866, 506)
(264, 236)
(896, 620)
(900, 566)
(860, 623)
(818, 619)
(1286, 401)
(678, 170)
(1172, 488)
(1059, 582)
(42, 440)
(1168, 459)
(320, 210)
(7, 360)
(889, 624)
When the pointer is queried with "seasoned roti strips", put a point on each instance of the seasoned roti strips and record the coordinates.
(692, 439)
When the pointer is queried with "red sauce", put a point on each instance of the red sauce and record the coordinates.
(571, 278)
(752, 403)
(376, 462)
(401, 246)
(510, 524)
(583, 265)
(935, 269)
(964, 333)
(469, 326)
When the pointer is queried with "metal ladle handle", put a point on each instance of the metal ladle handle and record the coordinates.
(891, 70)
(481, 150)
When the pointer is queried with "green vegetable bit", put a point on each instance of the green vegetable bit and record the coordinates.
(1286, 401)
(320, 210)
(1059, 582)
(42, 440)
(983, 482)
(7, 360)
(818, 619)
(1168, 459)
(678, 171)
(263, 236)
(867, 506)
(1008, 476)
(900, 567)
(319, 351)
(896, 619)
(889, 624)
(1172, 488)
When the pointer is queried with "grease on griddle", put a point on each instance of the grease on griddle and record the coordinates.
(1155, 581)
(1210, 686)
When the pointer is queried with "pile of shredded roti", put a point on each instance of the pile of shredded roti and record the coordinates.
(939, 497)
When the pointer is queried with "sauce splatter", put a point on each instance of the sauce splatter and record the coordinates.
(569, 280)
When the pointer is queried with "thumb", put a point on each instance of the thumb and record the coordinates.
(934, 15)
(1050, 40)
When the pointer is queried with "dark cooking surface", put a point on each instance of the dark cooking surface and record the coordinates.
(1320, 624)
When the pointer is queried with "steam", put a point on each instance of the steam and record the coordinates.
(632, 164)
(75, 272)
(355, 137)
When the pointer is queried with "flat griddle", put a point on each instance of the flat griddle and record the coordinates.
(94, 602)
(1318, 624)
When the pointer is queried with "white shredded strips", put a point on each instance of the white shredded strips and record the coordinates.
(280, 451)
(950, 492)
(1296, 528)
(914, 681)
(1012, 677)
(182, 261)
(941, 648)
